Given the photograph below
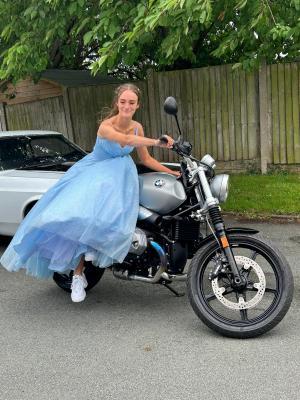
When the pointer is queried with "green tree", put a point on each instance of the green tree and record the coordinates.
(128, 36)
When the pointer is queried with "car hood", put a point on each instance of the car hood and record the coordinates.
(32, 174)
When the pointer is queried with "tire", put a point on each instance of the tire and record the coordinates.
(214, 309)
(93, 275)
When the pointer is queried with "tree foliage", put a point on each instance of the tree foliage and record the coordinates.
(129, 35)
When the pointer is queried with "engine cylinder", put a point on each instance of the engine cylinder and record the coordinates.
(139, 242)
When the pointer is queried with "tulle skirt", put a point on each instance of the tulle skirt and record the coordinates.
(91, 211)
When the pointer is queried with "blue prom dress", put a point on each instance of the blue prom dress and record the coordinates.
(92, 211)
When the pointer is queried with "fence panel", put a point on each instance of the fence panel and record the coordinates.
(284, 99)
(45, 114)
(218, 110)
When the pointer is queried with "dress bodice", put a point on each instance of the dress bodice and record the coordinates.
(104, 149)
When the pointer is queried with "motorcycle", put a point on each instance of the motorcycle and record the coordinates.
(238, 283)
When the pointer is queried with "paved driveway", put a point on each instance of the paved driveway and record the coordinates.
(136, 341)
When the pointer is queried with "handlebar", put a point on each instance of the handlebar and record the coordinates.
(182, 148)
(163, 139)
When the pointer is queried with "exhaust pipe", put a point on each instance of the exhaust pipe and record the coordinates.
(173, 278)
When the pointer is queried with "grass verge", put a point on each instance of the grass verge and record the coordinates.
(254, 195)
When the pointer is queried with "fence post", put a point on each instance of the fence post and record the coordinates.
(264, 131)
(67, 111)
(152, 96)
(3, 121)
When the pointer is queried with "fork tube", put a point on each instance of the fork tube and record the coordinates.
(217, 220)
(218, 223)
(210, 200)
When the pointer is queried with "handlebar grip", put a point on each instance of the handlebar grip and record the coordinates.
(163, 139)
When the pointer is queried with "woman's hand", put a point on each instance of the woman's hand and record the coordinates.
(167, 142)
(176, 173)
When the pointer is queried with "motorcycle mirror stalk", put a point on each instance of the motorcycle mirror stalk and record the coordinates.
(180, 146)
(170, 107)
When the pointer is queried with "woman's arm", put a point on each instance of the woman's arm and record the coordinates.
(150, 162)
(107, 131)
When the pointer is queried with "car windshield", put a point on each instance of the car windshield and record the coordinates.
(27, 151)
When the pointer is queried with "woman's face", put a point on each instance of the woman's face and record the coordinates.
(127, 103)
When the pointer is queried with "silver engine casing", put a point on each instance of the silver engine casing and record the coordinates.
(139, 242)
(161, 192)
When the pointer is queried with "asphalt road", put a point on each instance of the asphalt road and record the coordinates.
(136, 341)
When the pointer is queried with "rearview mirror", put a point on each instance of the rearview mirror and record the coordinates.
(170, 106)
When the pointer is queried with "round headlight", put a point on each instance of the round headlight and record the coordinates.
(209, 161)
(219, 187)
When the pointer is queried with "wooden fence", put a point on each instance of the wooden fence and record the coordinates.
(218, 110)
(244, 120)
(48, 114)
(284, 107)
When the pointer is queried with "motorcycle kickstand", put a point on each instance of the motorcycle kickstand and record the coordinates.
(177, 294)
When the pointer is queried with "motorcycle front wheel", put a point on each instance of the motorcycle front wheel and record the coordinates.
(252, 310)
(93, 275)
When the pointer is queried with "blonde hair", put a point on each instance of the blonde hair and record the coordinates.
(110, 112)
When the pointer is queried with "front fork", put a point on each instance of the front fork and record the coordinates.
(218, 223)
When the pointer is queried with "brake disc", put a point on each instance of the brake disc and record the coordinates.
(241, 304)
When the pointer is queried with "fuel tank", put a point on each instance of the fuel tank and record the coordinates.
(161, 192)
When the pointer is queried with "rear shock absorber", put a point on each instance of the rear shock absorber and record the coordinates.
(218, 223)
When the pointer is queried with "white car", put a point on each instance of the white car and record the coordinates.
(30, 163)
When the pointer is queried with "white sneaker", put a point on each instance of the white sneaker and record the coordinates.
(85, 282)
(79, 283)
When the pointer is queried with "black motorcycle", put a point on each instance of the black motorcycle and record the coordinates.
(238, 283)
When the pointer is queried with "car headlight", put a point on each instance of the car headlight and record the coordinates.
(219, 187)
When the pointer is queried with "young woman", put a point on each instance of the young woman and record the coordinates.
(91, 212)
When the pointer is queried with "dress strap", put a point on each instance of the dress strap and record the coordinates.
(136, 130)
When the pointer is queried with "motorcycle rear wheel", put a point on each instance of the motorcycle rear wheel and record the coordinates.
(93, 275)
(219, 309)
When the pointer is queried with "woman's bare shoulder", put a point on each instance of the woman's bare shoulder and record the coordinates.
(107, 122)
(103, 124)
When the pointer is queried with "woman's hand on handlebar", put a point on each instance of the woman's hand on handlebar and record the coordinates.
(176, 173)
(165, 141)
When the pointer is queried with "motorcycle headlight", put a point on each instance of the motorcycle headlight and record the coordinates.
(209, 161)
(219, 187)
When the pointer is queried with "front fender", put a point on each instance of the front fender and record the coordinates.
(238, 229)
(229, 231)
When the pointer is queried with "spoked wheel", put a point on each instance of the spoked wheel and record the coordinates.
(257, 306)
(93, 275)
